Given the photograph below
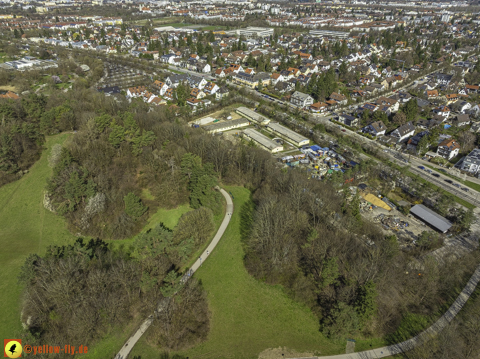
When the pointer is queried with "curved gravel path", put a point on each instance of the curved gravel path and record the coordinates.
(421, 338)
(123, 353)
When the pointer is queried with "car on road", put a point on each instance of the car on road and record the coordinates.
(448, 181)
(435, 175)
(465, 189)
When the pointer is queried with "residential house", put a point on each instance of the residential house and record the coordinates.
(377, 128)
(284, 86)
(160, 86)
(367, 106)
(428, 124)
(221, 93)
(319, 107)
(203, 67)
(169, 95)
(413, 141)
(391, 103)
(276, 77)
(442, 110)
(348, 120)
(471, 163)
(197, 93)
(472, 88)
(461, 120)
(193, 102)
(378, 87)
(448, 148)
(220, 73)
(175, 80)
(168, 59)
(432, 94)
(301, 100)
(451, 98)
(339, 98)
(196, 81)
(252, 81)
(403, 132)
(211, 88)
(461, 106)
(138, 91)
(236, 68)
(323, 65)
(442, 79)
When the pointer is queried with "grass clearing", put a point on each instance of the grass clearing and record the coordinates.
(26, 227)
(248, 316)
(169, 217)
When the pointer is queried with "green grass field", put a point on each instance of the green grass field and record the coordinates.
(248, 316)
(25, 227)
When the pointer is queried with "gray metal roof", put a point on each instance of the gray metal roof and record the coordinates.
(291, 135)
(430, 217)
(227, 125)
(262, 139)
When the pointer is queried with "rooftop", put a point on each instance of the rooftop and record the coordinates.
(430, 217)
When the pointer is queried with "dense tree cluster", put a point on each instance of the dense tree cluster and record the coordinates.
(305, 236)
(124, 150)
(76, 293)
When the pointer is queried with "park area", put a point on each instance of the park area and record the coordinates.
(247, 317)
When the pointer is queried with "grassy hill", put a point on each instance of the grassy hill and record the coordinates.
(25, 227)
(248, 316)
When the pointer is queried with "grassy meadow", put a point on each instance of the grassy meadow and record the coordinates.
(25, 227)
(248, 316)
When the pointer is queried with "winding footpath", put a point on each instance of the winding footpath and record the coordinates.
(123, 353)
(421, 338)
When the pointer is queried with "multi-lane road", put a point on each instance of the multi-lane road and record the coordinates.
(470, 196)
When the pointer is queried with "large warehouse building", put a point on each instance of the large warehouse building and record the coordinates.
(263, 140)
(252, 115)
(225, 126)
(431, 218)
(288, 134)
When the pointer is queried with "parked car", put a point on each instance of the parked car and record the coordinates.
(448, 181)
(344, 130)
(429, 171)
(421, 167)
(465, 189)
(435, 175)
(457, 185)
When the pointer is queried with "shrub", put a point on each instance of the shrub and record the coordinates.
(134, 207)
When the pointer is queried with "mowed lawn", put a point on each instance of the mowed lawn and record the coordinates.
(248, 316)
(25, 227)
